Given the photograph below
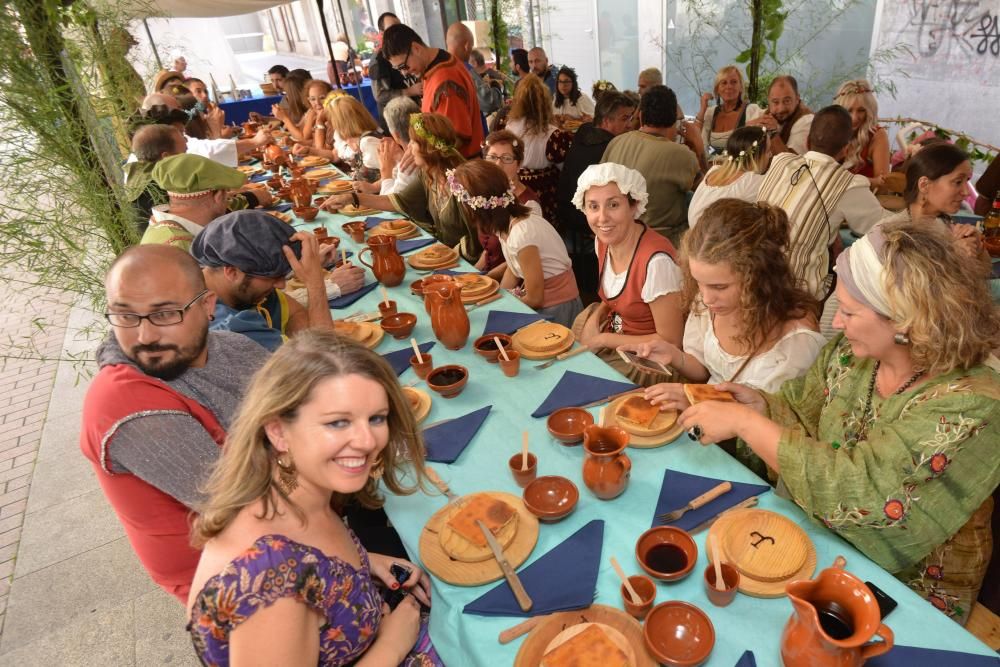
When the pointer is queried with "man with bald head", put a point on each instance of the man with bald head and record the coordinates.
(460, 42)
(539, 63)
(157, 411)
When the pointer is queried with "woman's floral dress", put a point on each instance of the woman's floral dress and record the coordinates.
(276, 567)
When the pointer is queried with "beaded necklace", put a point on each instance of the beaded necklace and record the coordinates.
(866, 416)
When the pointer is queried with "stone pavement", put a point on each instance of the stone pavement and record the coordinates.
(75, 594)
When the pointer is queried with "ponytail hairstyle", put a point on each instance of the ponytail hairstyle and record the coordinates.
(746, 151)
(484, 193)
(753, 240)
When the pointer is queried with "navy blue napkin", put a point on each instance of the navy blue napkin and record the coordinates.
(679, 488)
(373, 221)
(403, 247)
(279, 207)
(400, 359)
(575, 389)
(562, 579)
(446, 442)
(347, 299)
(259, 178)
(912, 656)
(746, 660)
(506, 322)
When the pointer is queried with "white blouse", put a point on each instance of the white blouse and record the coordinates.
(790, 357)
(368, 146)
(534, 230)
(583, 107)
(745, 187)
(534, 144)
(663, 276)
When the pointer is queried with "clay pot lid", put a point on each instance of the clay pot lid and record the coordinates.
(765, 545)
(679, 633)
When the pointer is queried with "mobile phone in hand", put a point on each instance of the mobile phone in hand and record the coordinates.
(644, 364)
(401, 574)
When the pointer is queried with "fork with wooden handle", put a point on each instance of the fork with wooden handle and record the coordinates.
(695, 503)
(560, 357)
(439, 483)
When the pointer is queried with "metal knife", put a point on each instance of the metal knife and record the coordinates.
(561, 357)
(749, 502)
(523, 600)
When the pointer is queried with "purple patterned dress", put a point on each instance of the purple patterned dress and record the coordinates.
(276, 567)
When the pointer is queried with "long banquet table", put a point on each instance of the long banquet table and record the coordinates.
(466, 640)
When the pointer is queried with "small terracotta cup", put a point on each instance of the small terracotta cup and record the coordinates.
(422, 369)
(523, 477)
(387, 308)
(510, 368)
(646, 589)
(730, 576)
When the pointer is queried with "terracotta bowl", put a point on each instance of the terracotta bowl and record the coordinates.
(330, 240)
(666, 553)
(551, 497)
(321, 232)
(449, 381)
(276, 182)
(284, 193)
(417, 287)
(399, 325)
(678, 633)
(307, 213)
(566, 424)
(487, 348)
(353, 227)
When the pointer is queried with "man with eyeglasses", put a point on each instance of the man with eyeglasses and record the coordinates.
(156, 413)
(448, 88)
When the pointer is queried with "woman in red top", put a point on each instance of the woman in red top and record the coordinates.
(640, 284)
(868, 152)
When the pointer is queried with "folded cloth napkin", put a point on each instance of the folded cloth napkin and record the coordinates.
(913, 656)
(372, 221)
(403, 247)
(347, 299)
(259, 178)
(446, 442)
(400, 359)
(679, 488)
(562, 579)
(575, 389)
(279, 207)
(507, 322)
(746, 660)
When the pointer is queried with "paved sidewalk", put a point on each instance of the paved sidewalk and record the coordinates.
(79, 595)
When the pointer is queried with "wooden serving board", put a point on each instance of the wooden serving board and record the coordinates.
(733, 531)
(608, 418)
(458, 573)
(536, 644)
(616, 637)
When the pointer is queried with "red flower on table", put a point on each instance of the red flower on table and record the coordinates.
(935, 572)
(938, 463)
(894, 509)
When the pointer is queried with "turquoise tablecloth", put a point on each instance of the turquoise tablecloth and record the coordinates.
(749, 623)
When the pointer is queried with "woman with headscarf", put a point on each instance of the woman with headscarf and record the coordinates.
(892, 438)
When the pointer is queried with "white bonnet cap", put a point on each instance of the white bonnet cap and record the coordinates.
(629, 181)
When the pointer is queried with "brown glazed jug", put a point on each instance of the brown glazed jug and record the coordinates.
(387, 263)
(448, 317)
(301, 192)
(835, 618)
(606, 469)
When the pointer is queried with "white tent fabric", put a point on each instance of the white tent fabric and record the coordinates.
(196, 8)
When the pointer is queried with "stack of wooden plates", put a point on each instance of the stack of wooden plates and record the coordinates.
(336, 187)
(321, 173)
(401, 229)
(250, 169)
(313, 161)
(663, 429)
(767, 548)
(355, 212)
(542, 340)
(476, 287)
(554, 630)
(436, 256)
(366, 333)
(284, 217)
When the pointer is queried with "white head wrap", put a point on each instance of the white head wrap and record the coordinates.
(629, 181)
(862, 272)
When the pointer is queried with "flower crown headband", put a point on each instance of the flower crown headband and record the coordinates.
(478, 202)
(417, 123)
(744, 155)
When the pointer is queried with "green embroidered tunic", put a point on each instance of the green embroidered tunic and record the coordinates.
(915, 494)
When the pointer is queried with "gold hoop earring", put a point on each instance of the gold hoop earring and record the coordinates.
(378, 469)
(288, 476)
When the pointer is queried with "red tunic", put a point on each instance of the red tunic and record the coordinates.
(157, 525)
(449, 91)
(630, 315)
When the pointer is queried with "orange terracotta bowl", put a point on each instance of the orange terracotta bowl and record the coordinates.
(449, 381)
(276, 182)
(399, 325)
(551, 497)
(487, 348)
(307, 213)
(284, 193)
(678, 633)
(330, 240)
(666, 553)
(353, 227)
(566, 424)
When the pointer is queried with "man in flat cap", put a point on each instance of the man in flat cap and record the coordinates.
(245, 257)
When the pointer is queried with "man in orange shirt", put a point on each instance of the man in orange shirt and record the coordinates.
(448, 88)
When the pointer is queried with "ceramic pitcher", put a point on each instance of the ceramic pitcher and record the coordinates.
(387, 263)
(448, 317)
(606, 469)
(834, 621)
(301, 192)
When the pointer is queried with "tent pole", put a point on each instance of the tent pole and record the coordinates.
(329, 48)
(343, 22)
(152, 44)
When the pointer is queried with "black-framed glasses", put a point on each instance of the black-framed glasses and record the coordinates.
(405, 65)
(160, 318)
(506, 159)
(565, 81)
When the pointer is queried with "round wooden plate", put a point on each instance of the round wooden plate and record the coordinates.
(535, 645)
(460, 549)
(394, 228)
(366, 333)
(608, 418)
(614, 635)
(764, 559)
(727, 529)
(335, 187)
(457, 573)
(541, 356)
(313, 161)
(543, 336)
(354, 212)
(423, 406)
(432, 258)
(491, 288)
(284, 217)
(320, 174)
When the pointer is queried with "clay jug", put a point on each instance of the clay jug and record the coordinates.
(448, 317)
(835, 618)
(387, 263)
(301, 192)
(606, 469)
(274, 154)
